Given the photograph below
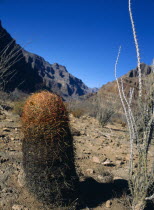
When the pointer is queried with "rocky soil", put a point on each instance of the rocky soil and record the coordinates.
(102, 156)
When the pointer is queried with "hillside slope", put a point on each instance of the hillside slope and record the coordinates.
(32, 73)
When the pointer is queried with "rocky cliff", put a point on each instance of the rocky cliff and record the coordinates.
(33, 73)
(145, 70)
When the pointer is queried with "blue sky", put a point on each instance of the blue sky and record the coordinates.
(83, 35)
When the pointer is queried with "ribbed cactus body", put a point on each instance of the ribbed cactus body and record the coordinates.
(48, 153)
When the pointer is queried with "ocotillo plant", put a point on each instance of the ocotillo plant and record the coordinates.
(48, 153)
(141, 130)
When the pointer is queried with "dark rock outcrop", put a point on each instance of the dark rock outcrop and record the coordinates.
(145, 70)
(33, 73)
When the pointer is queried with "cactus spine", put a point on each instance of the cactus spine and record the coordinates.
(48, 153)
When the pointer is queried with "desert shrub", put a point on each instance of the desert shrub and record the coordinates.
(4, 96)
(77, 112)
(119, 118)
(104, 116)
(107, 106)
(141, 126)
(74, 109)
(106, 110)
(18, 107)
(85, 105)
(18, 95)
(5, 102)
(48, 153)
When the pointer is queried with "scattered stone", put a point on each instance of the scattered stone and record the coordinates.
(75, 132)
(105, 179)
(2, 135)
(108, 204)
(6, 129)
(9, 120)
(95, 160)
(82, 133)
(2, 117)
(19, 207)
(117, 177)
(90, 171)
(3, 160)
(12, 177)
(21, 178)
(118, 158)
(107, 162)
(136, 165)
(118, 144)
(1, 172)
(119, 162)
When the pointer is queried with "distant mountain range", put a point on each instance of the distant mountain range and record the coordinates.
(33, 73)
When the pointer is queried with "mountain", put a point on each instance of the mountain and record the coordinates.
(145, 70)
(107, 97)
(33, 73)
(130, 79)
(93, 90)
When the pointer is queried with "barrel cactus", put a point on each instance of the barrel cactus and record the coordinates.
(48, 153)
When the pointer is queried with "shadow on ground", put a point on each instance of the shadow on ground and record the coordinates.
(150, 205)
(93, 193)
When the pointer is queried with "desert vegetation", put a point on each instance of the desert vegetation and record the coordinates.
(10, 54)
(85, 153)
(140, 125)
(48, 155)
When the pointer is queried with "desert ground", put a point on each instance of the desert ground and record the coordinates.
(102, 160)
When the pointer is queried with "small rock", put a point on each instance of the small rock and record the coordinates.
(3, 160)
(118, 158)
(108, 204)
(6, 129)
(118, 144)
(90, 171)
(82, 133)
(95, 159)
(1, 172)
(75, 132)
(19, 207)
(21, 178)
(107, 162)
(9, 120)
(119, 162)
(105, 179)
(117, 177)
(136, 165)
(2, 117)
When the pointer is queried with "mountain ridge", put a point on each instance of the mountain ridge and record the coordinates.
(33, 73)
